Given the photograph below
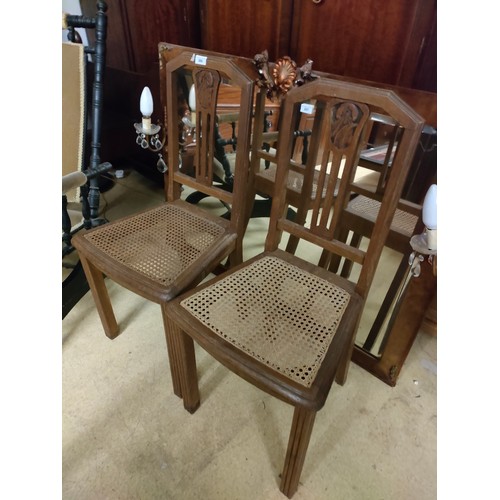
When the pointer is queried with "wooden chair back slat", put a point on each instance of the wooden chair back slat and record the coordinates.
(207, 85)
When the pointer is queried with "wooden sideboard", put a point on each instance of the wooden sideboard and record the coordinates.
(391, 43)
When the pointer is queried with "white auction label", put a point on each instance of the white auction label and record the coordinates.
(308, 109)
(201, 60)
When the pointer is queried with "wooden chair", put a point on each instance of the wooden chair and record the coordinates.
(280, 321)
(163, 251)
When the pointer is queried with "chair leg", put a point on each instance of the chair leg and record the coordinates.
(300, 435)
(189, 377)
(182, 364)
(101, 298)
(345, 360)
(172, 358)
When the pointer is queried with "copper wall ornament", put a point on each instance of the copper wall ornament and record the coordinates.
(279, 77)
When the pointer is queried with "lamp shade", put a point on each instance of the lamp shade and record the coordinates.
(192, 98)
(429, 208)
(146, 102)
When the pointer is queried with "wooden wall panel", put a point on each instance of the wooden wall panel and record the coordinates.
(369, 39)
(246, 28)
(154, 21)
(391, 42)
(118, 44)
(425, 75)
(135, 27)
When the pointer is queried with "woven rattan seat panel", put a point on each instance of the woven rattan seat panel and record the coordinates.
(159, 243)
(295, 180)
(276, 313)
(402, 222)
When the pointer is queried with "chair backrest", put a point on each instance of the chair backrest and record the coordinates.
(211, 74)
(340, 129)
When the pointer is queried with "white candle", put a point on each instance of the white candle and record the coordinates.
(192, 104)
(429, 216)
(146, 106)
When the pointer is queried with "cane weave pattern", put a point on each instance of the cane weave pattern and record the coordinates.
(275, 312)
(159, 243)
(402, 222)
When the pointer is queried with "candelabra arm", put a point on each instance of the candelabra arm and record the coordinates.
(149, 137)
(419, 244)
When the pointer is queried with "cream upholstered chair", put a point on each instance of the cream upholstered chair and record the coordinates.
(279, 321)
(163, 251)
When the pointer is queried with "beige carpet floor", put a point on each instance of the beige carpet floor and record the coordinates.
(126, 436)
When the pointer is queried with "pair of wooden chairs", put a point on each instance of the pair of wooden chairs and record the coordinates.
(281, 322)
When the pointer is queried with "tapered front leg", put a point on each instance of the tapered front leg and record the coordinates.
(99, 291)
(300, 435)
